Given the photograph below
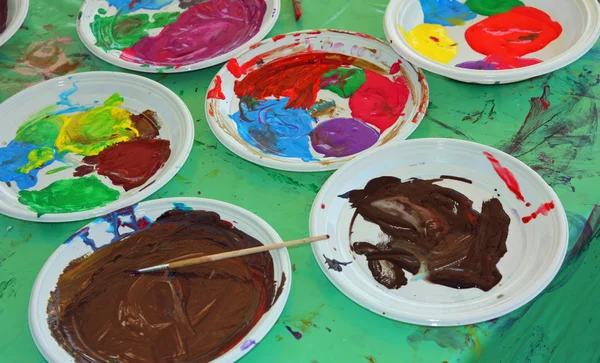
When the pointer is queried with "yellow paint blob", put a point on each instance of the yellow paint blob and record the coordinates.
(432, 41)
(37, 158)
(89, 132)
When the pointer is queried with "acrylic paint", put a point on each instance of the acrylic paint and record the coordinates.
(499, 62)
(128, 6)
(492, 7)
(286, 106)
(507, 177)
(446, 12)
(432, 41)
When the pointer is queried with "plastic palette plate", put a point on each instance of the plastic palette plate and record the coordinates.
(96, 231)
(536, 246)
(312, 100)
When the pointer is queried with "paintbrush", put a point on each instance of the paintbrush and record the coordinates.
(297, 8)
(232, 254)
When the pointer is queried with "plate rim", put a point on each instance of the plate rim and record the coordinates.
(13, 27)
(542, 284)
(186, 148)
(421, 110)
(265, 29)
(279, 304)
(591, 33)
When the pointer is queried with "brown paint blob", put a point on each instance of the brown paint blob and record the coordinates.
(432, 227)
(99, 313)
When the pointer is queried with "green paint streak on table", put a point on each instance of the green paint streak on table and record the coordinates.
(560, 143)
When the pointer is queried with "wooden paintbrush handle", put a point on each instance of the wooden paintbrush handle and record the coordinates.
(244, 252)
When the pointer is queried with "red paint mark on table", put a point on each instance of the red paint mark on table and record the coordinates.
(395, 68)
(507, 176)
(518, 32)
(216, 91)
(543, 209)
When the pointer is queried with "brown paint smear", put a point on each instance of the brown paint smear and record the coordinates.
(99, 313)
(433, 227)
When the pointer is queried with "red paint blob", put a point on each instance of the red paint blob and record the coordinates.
(143, 223)
(544, 209)
(395, 68)
(132, 163)
(379, 101)
(234, 68)
(278, 37)
(216, 92)
(295, 76)
(518, 32)
(434, 39)
(507, 176)
(322, 206)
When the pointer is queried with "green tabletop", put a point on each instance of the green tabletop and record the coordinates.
(560, 143)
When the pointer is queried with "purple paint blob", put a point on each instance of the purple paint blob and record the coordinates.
(498, 62)
(296, 334)
(481, 65)
(203, 31)
(340, 137)
(248, 343)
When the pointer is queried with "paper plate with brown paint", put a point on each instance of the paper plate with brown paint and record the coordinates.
(172, 36)
(81, 146)
(492, 41)
(452, 233)
(85, 303)
(313, 100)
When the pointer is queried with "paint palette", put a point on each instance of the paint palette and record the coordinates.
(377, 223)
(171, 36)
(81, 146)
(129, 220)
(313, 100)
(12, 19)
(492, 42)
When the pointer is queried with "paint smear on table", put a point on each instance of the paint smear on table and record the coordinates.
(516, 33)
(432, 41)
(202, 30)
(446, 12)
(492, 7)
(286, 107)
(423, 223)
(111, 140)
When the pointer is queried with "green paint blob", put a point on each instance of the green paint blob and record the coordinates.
(69, 196)
(57, 170)
(37, 159)
(122, 31)
(101, 11)
(343, 81)
(41, 130)
(492, 7)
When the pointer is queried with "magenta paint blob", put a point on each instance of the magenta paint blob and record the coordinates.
(342, 137)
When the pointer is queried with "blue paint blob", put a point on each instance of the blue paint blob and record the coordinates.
(12, 158)
(181, 206)
(124, 217)
(276, 130)
(70, 106)
(446, 12)
(129, 6)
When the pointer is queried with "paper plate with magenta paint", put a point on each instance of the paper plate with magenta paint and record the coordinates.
(171, 36)
(452, 233)
(313, 100)
(81, 146)
(86, 302)
(12, 16)
(492, 42)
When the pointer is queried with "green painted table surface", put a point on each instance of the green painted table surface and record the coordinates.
(560, 142)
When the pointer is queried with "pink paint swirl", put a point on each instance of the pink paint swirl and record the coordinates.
(203, 31)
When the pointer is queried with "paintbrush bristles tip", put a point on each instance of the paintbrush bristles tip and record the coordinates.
(153, 268)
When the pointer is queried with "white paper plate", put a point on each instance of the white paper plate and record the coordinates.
(17, 12)
(75, 247)
(580, 21)
(222, 103)
(535, 250)
(102, 8)
(93, 88)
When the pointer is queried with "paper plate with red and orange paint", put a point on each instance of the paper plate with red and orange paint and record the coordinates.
(492, 42)
(313, 100)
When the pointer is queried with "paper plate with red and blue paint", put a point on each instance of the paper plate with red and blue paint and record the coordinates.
(80, 146)
(450, 233)
(312, 100)
(172, 36)
(492, 42)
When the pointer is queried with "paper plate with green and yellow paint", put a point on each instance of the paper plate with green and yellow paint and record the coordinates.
(85, 145)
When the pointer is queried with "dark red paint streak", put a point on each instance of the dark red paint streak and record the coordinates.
(395, 68)
(543, 209)
(507, 176)
(278, 37)
(131, 164)
(216, 91)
